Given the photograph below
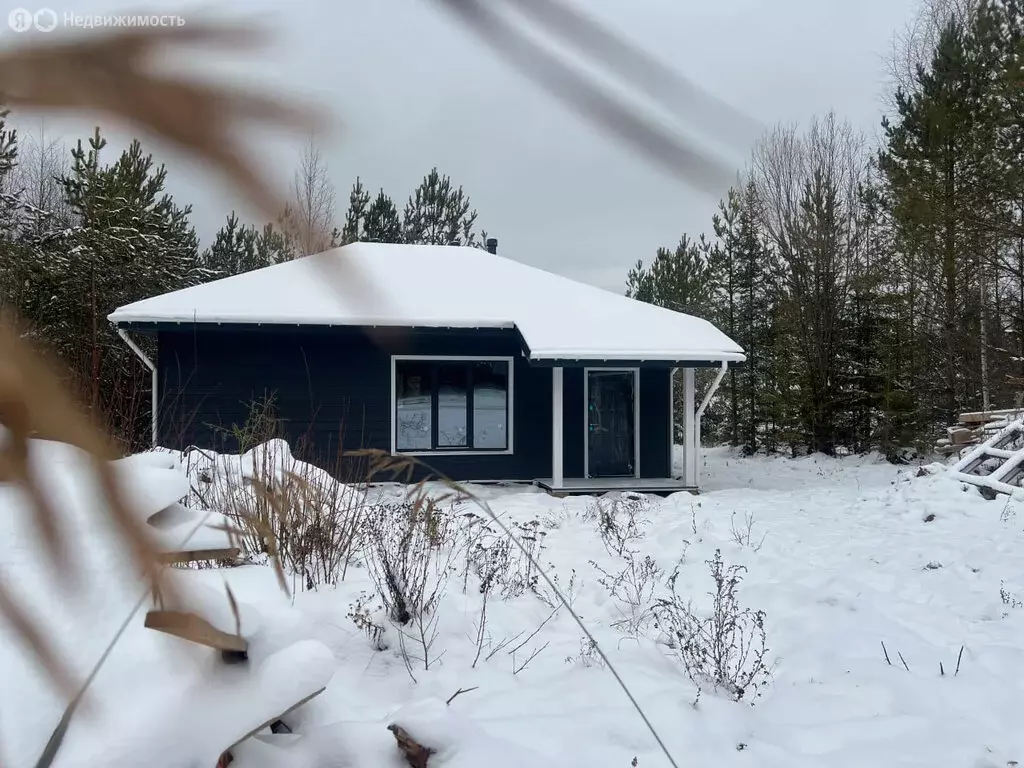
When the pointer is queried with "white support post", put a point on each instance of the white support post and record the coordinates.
(700, 413)
(556, 427)
(153, 380)
(690, 441)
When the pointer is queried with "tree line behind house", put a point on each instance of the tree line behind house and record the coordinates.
(878, 288)
(81, 235)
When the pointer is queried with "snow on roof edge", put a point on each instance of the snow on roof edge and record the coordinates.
(117, 317)
(667, 356)
(547, 354)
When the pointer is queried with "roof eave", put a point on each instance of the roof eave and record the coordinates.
(636, 355)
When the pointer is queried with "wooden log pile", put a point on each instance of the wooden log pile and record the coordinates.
(974, 427)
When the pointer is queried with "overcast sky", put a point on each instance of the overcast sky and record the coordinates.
(410, 89)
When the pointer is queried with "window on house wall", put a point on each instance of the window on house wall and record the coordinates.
(452, 405)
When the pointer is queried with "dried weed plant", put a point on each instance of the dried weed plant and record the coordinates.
(104, 72)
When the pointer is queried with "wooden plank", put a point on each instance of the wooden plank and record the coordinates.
(198, 555)
(981, 417)
(961, 435)
(190, 627)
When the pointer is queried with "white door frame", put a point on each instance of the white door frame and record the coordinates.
(636, 416)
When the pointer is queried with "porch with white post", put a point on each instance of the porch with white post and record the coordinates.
(691, 422)
(575, 391)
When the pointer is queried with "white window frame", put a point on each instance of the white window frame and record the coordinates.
(458, 359)
(586, 416)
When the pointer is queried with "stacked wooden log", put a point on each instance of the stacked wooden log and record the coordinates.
(974, 427)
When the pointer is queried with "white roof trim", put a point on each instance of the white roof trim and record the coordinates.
(377, 284)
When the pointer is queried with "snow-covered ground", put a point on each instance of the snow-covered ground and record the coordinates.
(841, 555)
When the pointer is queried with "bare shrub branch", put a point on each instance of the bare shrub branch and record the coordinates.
(725, 649)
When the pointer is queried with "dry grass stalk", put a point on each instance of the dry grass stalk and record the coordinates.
(105, 73)
(34, 405)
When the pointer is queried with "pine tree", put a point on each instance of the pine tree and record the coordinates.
(128, 241)
(382, 223)
(10, 194)
(437, 213)
(755, 304)
(240, 248)
(354, 228)
(14, 271)
(935, 161)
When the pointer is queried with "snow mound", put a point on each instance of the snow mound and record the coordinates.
(214, 606)
(229, 481)
(842, 555)
(191, 725)
(458, 742)
(178, 527)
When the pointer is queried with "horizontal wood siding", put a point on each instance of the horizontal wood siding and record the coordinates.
(332, 386)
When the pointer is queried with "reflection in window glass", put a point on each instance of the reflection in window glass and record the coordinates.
(452, 402)
(490, 405)
(413, 388)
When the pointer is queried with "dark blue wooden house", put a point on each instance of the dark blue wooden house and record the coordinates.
(485, 368)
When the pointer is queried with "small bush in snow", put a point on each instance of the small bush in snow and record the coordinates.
(587, 655)
(725, 649)
(632, 589)
(364, 614)
(743, 533)
(281, 505)
(411, 549)
(406, 556)
(619, 520)
(1008, 598)
(501, 565)
(549, 597)
(552, 519)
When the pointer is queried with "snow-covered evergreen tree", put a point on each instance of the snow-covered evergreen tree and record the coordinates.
(241, 247)
(128, 241)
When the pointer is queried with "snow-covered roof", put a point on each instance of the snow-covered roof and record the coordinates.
(367, 284)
